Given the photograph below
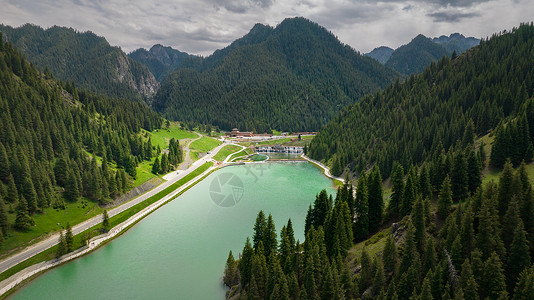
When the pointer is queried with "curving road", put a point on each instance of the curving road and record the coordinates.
(51, 241)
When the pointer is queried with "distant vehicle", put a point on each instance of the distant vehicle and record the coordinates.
(209, 152)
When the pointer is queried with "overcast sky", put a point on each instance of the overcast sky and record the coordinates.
(202, 26)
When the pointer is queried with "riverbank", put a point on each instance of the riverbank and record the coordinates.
(165, 192)
(95, 242)
(324, 168)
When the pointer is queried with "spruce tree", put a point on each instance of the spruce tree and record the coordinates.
(397, 189)
(361, 226)
(493, 282)
(269, 238)
(4, 163)
(156, 166)
(389, 256)
(474, 180)
(445, 198)
(245, 264)
(61, 246)
(408, 198)
(105, 221)
(418, 220)
(72, 191)
(23, 221)
(259, 229)
(69, 238)
(430, 258)
(505, 188)
(4, 222)
(519, 256)
(375, 198)
(424, 182)
(230, 271)
(524, 288)
(459, 178)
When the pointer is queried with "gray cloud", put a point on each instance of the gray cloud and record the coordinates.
(451, 17)
(202, 26)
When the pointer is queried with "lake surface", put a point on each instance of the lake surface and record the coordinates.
(179, 251)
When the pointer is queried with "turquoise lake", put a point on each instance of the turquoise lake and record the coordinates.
(179, 251)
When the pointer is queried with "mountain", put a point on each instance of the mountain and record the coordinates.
(415, 56)
(382, 54)
(160, 60)
(441, 226)
(456, 42)
(84, 58)
(293, 77)
(411, 122)
(51, 134)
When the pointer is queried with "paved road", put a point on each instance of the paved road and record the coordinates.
(30, 251)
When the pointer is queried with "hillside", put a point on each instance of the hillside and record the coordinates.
(382, 54)
(442, 234)
(456, 42)
(293, 77)
(415, 56)
(84, 58)
(53, 136)
(160, 60)
(409, 122)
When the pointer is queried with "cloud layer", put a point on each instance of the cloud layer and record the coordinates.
(202, 26)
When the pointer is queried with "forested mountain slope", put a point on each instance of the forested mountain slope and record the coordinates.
(294, 77)
(50, 134)
(84, 58)
(411, 121)
(160, 60)
(415, 56)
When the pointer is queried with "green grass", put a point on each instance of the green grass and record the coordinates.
(258, 157)
(47, 221)
(144, 172)
(193, 155)
(204, 144)
(373, 245)
(241, 153)
(162, 137)
(225, 151)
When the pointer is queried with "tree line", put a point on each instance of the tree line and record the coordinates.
(53, 135)
(489, 86)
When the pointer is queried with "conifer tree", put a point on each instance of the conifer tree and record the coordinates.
(397, 189)
(408, 197)
(72, 191)
(4, 163)
(426, 290)
(62, 245)
(361, 226)
(389, 256)
(230, 271)
(418, 220)
(430, 257)
(445, 198)
(459, 178)
(4, 222)
(245, 263)
(525, 285)
(105, 221)
(12, 192)
(510, 222)
(156, 166)
(467, 281)
(493, 281)
(269, 238)
(519, 256)
(69, 238)
(164, 164)
(505, 188)
(23, 221)
(424, 182)
(473, 172)
(28, 191)
(375, 198)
